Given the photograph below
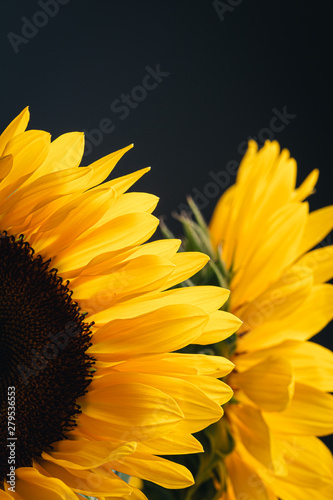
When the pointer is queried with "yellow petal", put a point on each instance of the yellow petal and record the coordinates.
(122, 184)
(101, 264)
(312, 364)
(17, 126)
(307, 320)
(280, 299)
(5, 496)
(70, 221)
(161, 471)
(164, 248)
(307, 187)
(29, 150)
(31, 485)
(131, 411)
(319, 224)
(124, 231)
(134, 495)
(65, 152)
(245, 481)
(257, 383)
(186, 265)
(137, 276)
(85, 481)
(6, 163)
(306, 456)
(175, 443)
(176, 364)
(104, 166)
(310, 412)
(220, 326)
(216, 390)
(266, 192)
(290, 491)
(85, 454)
(130, 203)
(220, 220)
(320, 261)
(253, 432)
(61, 183)
(208, 298)
(89, 208)
(199, 410)
(277, 249)
(310, 468)
(166, 329)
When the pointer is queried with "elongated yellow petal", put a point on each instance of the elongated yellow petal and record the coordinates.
(319, 223)
(280, 299)
(102, 264)
(273, 187)
(307, 187)
(122, 184)
(83, 481)
(135, 277)
(65, 152)
(129, 203)
(195, 405)
(164, 248)
(277, 249)
(102, 168)
(253, 432)
(125, 231)
(179, 364)
(84, 454)
(132, 411)
(175, 443)
(166, 328)
(217, 390)
(303, 323)
(134, 495)
(33, 198)
(206, 298)
(312, 364)
(29, 150)
(221, 220)
(185, 264)
(245, 480)
(310, 468)
(257, 383)
(17, 126)
(220, 326)
(163, 472)
(310, 413)
(320, 261)
(31, 485)
(6, 164)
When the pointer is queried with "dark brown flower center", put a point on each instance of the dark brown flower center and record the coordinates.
(44, 367)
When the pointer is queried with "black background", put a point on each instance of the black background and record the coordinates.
(225, 77)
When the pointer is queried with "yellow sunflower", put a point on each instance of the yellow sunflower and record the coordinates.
(261, 239)
(90, 388)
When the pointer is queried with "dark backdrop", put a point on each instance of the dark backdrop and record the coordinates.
(219, 73)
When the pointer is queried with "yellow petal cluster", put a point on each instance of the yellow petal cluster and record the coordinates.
(144, 400)
(268, 240)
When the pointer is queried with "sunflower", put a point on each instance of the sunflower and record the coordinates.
(91, 391)
(261, 239)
